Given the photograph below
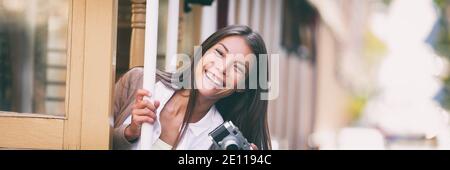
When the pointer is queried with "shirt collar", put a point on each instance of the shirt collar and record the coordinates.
(205, 123)
(164, 94)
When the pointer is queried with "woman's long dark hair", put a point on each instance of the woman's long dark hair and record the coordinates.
(245, 109)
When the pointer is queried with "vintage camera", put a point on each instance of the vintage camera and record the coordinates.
(228, 137)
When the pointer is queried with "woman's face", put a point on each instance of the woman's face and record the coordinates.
(223, 66)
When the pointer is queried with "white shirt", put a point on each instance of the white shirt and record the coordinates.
(195, 138)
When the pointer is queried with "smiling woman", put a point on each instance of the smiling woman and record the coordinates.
(183, 116)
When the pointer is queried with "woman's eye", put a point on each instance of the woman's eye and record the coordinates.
(219, 52)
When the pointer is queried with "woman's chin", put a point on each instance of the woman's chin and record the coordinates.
(208, 93)
(209, 89)
(215, 94)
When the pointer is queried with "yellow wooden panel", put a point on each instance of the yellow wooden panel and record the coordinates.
(100, 47)
(31, 131)
(74, 92)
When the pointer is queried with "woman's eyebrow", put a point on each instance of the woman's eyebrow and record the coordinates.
(226, 49)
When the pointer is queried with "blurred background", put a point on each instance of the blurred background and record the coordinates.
(354, 74)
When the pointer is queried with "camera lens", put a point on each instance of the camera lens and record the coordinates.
(230, 143)
(232, 147)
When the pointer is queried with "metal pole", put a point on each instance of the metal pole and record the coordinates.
(172, 35)
(151, 36)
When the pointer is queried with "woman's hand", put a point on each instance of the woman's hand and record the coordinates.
(253, 146)
(144, 111)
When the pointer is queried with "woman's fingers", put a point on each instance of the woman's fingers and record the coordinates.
(152, 105)
(156, 103)
(140, 94)
(144, 112)
(140, 105)
(147, 104)
(139, 120)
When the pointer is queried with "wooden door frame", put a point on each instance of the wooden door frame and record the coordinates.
(87, 123)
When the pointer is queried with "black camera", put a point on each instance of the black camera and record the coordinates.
(228, 137)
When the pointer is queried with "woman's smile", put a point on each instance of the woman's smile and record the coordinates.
(214, 79)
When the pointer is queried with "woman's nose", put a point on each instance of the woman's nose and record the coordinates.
(227, 65)
(220, 67)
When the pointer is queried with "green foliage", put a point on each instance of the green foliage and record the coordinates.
(357, 105)
(374, 49)
(387, 2)
(441, 45)
(442, 42)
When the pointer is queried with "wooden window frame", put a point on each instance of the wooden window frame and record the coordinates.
(87, 123)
